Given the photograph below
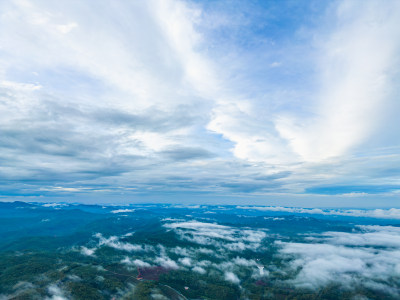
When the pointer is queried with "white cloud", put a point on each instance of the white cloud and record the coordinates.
(55, 293)
(135, 262)
(204, 263)
(66, 28)
(352, 55)
(390, 213)
(113, 242)
(117, 211)
(206, 251)
(260, 272)
(54, 204)
(356, 65)
(74, 277)
(199, 270)
(158, 296)
(382, 236)
(87, 251)
(221, 236)
(230, 276)
(240, 261)
(186, 261)
(166, 262)
(370, 257)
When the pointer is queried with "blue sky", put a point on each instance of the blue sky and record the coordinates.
(243, 102)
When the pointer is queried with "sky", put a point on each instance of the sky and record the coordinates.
(235, 102)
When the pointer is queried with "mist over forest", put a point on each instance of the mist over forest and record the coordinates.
(64, 251)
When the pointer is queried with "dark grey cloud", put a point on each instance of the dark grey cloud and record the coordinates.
(248, 187)
(149, 120)
(186, 153)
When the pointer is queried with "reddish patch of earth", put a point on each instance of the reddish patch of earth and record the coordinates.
(261, 282)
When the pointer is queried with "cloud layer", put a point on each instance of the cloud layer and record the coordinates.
(142, 100)
(369, 257)
(392, 213)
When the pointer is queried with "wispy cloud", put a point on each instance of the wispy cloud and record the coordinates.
(88, 251)
(125, 210)
(55, 293)
(114, 242)
(220, 236)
